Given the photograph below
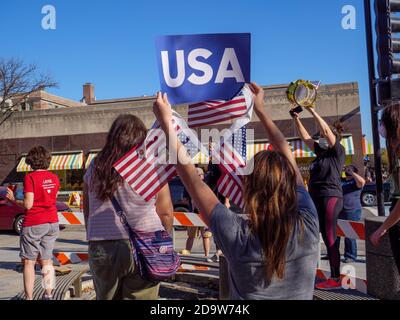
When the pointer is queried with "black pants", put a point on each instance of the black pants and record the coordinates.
(328, 212)
(394, 236)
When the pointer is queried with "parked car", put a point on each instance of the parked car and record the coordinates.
(12, 214)
(368, 194)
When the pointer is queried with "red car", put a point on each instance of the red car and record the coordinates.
(12, 214)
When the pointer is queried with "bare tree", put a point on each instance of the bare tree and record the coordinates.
(17, 82)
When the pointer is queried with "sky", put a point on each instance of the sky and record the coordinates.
(111, 43)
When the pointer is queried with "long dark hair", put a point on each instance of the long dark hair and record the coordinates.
(126, 132)
(391, 121)
(271, 202)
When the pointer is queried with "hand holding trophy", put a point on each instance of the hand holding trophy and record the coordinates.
(302, 94)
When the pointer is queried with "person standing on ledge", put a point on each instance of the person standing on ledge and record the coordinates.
(325, 186)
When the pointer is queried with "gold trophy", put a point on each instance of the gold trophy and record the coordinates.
(303, 93)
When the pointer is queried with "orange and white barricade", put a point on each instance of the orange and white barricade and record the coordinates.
(63, 258)
(71, 218)
(188, 219)
(352, 230)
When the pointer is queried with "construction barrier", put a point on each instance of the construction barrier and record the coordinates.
(182, 219)
(188, 219)
(63, 258)
(352, 230)
(71, 218)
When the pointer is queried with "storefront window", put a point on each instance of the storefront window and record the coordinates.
(70, 180)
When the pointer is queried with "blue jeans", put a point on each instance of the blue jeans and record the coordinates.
(350, 245)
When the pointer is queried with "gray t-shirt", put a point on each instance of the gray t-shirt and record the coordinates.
(243, 251)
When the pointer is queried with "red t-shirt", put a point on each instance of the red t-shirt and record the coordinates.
(44, 186)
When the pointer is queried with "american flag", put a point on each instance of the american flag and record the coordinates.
(141, 169)
(215, 111)
(145, 167)
(231, 157)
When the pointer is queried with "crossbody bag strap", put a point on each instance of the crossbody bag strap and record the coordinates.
(122, 217)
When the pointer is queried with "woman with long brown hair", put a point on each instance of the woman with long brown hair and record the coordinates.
(390, 130)
(115, 274)
(273, 254)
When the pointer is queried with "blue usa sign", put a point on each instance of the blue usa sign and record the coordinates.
(195, 68)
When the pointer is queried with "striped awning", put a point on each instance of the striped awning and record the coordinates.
(299, 148)
(90, 158)
(348, 145)
(368, 148)
(253, 149)
(70, 161)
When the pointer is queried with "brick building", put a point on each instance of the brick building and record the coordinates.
(73, 131)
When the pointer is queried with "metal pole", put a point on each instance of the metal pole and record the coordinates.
(374, 108)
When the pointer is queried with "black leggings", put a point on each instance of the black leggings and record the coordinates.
(328, 212)
(394, 235)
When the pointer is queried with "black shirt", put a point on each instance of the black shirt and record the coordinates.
(326, 171)
(214, 174)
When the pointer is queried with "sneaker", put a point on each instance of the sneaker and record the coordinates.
(215, 258)
(324, 258)
(46, 297)
(330, 284)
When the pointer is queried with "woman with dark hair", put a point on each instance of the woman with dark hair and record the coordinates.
(325, 186)
(272, 254)
(40, 227)
(390, 130)
(115, 273)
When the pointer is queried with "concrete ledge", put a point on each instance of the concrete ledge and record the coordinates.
(382, 273)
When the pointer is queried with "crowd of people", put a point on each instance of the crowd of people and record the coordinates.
(272, 254)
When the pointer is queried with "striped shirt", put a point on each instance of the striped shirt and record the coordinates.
(103, 223)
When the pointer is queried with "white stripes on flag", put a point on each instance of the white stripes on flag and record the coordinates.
(232, 164)
(215, 111)
(144, 168)
(141, 169)
(231, 187)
